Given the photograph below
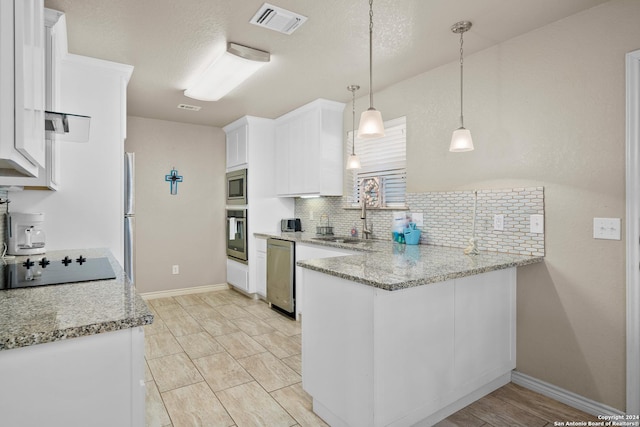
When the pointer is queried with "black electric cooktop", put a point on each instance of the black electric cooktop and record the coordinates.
(40, 271)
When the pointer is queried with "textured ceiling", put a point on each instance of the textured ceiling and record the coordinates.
(169, 42)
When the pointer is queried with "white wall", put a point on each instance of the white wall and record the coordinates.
(86, 212)
(186, 229)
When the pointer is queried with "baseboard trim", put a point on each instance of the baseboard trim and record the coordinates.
(184, 291)
(561, 395)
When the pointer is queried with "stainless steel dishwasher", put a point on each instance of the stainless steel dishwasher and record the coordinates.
(281, 276)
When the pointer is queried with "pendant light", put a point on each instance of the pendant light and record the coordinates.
(353, 162)
(461, 139)
(371, 125)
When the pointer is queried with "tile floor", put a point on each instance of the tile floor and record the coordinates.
(221, 359)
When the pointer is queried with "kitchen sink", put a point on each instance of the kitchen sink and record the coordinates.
(337, 239)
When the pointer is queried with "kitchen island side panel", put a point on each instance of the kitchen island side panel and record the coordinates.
(375, 358)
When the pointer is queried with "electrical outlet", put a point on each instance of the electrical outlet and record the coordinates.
(498, 222)
(536, 224)
(175, 269)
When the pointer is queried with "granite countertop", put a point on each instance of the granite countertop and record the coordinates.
(44, 314)
(392, 266)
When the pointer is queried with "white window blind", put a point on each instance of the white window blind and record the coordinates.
(385, 158)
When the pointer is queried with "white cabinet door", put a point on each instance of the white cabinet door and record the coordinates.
(283, 141)
(309, 147)
(238, 275)
(237, 147)
(16, 112)
(29, 79)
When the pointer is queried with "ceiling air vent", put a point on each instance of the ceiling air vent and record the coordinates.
(277, 19)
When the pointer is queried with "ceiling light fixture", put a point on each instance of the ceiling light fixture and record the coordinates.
(461, 139)
(371, 125)
(353, 162)
(224, 74)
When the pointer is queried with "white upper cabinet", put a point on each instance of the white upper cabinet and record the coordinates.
(22, 143)
(237, 147)
(48, 177)
(309, 150)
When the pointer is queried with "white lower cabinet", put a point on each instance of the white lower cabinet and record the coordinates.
(414, 356)
(238, 275)
(308, 251)
(96, 380)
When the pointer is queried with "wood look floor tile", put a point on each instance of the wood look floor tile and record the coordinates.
(195, 405)
(541, 406)
(218, 326)
(222, 371)
(269, 371)
(289, 327)
(156, 327)
(279, 344)
(462, 418)
(174, 371)
(188, 300)
(183, 325)
(159, 302)
(161, 344)
(294, 362)
(147, 372)
(232, 311)
(298, 404)
(156, 413)
(252, 326)
(215, 298)
(199, 345)
(250, 406)
(261, 311)
(202, 311)
(240, 345)
(500, 413)
(169, 311)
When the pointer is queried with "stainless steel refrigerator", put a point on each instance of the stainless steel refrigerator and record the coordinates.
(129, 215)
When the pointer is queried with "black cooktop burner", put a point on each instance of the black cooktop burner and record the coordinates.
(43, 271)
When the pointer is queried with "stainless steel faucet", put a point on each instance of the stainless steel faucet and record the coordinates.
(363, 215)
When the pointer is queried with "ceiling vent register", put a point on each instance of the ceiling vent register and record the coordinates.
(277, 19)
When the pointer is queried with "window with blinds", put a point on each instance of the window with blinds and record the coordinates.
(385, 158)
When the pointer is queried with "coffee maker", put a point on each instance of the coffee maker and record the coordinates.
(26, 235)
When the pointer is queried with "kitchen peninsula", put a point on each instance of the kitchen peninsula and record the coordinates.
(73, 354)
(404, 335)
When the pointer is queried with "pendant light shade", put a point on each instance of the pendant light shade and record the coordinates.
(371, 125)
(353, 162)
(461, 139)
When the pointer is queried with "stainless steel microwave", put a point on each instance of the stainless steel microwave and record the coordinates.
(237, 187)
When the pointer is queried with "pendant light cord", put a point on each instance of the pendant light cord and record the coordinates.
(461, 81)
(370, 54)
(353, 122)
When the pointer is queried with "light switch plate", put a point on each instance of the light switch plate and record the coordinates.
(498, 222)
(536, 223)
(606, 228)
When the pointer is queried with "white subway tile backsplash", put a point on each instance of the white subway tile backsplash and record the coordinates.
(447, 218)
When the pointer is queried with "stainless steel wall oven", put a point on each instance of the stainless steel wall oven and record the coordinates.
(237, 235)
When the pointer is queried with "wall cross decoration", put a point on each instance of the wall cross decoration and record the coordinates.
(174, 179)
